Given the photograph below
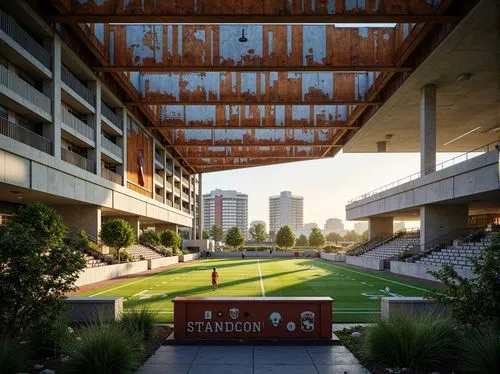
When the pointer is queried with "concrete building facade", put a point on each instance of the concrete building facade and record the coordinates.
(67, 139)
(226, 209)
(334, 225)
(286, 209)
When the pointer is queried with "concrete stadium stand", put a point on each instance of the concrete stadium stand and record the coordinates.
(86, 309)
(409, 306)
(100, 273)
(154, 263)
(189, 257)
(365, 262)
(332, 257)
(411, 269)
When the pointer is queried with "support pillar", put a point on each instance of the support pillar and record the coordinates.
(428, 129)
(86, 217)
(135, 223)
(122, 142)
(380, 226)
(438, 220)
(95, 87)
(200, 207)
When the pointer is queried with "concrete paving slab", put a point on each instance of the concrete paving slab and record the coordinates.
(220, 369)
(174, 355)
(281, 355)
(224, 355)
(341, 369)
(164, 369)
(285, 369)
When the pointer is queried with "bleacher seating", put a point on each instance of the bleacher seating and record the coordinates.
(458, 254)
(403, 241)
(138, 252)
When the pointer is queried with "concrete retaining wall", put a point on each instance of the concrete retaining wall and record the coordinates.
(420, 270)
(162, 261)
(265, 254)
(189, 257)
(393, 306)
(97, 274)
(332, 257)
(365, 262)
(86, 309)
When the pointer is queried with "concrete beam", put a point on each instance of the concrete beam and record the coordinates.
(428, 129)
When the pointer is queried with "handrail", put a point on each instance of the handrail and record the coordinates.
(24, 135)
(110, 115)
(76, 124)
(77, 160)
(111, 147)
(25, 40)
(484, 148)
(111, 176)
(77, 86)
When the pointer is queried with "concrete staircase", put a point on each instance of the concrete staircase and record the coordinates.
(138, 252)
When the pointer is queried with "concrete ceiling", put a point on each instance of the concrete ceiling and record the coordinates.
(461, 106)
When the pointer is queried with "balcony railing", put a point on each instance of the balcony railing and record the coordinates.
(177, 191)
(185, 196)
(168, 167)
(23, 135)
(185, 181)
(77, 160)
(159, 198)
(77, 86)
(25, 40)
(177, 206)
(77, 124)
(111, 176)
(159, 179)
(25, 90)
(168, 186)
(110, 115)
(186, 210)
(159, 158)
(111, 147)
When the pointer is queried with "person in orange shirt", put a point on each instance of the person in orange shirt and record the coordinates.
(215, 275)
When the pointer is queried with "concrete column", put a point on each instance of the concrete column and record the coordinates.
(200, 207)
(86, 217)
(164, 158)
(428, 129)
(95, 87)
(135, 223)
(439, 220)
(380, 226)
(52, 89)
(153, 148)
(122, 142)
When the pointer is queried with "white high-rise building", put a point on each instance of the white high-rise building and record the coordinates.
(286, 209)
(226, 209)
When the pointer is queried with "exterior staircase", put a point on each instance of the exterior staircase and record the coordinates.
(141, 252)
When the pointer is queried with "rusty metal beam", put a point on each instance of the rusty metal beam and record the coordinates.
(251, 127)
(247, 144)
(240, 68)
(251, 102)
(253, 151)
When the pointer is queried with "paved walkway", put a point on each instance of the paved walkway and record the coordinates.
(272, 359)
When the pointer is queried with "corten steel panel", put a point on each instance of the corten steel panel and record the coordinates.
(139, 155)
(251, 151)
(251, 7)
(251, 87)
(267, 45)
(284, 318)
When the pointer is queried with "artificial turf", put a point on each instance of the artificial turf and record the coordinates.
(356, 292)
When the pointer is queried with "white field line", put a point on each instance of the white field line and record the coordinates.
(261, 282)
(128, 284)
(374, 276)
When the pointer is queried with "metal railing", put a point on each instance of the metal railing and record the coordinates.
(177, 206)
(111, 147)
(159, 158)
(25, 40)
(177, 191)
(443, 165)
(77, 124)
(111, 176)
(168, 185)
(159, 198)
(72, 82)
(110, 115)
(185, 181)
(159, 179)
(77, 160)
(26, 91)
(185, 196)
(186, 210)
(23, 135)
(168, 167)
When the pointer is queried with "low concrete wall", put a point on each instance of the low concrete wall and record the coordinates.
(411, 269)
(332, 257)
(85, 309)
(154, 263)
(97, 274)
(189, 257)
(265, 254)
(365, 262)
(415, 306)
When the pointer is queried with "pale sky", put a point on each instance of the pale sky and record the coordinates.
(325, 184)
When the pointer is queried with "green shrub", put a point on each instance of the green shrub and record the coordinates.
(417, 343)
(126, 257)
(140, 321)
(12, 357)
(477, 236)
(406, 254)
(166, 252)
(117, 234)
(79, 240)
(103, 349)
(481, 351)
(332, 248)
(170, 239)
(47, 334)
(185, 252)
(149, 237)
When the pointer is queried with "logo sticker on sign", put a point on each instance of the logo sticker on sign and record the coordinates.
(208, 314)
(307, 321)
(234, 313)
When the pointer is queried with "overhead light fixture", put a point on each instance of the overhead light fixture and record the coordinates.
(243, 39)
(463, 77)
(461, 136)
(388, 136)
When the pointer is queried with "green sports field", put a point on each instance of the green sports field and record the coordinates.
(356, 292)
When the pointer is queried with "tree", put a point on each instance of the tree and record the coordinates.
(258, 233)
(117, 234)
(316, 238)
(234, 237)
(272, 236)
(285, 237)
(333, 237)
(149, 237)
(352, 236)
(184, 234)
(302, 241)
(473, 301)
(205, 234)
(216, 233)
(171, 239)
(36, 268)
(365, 236)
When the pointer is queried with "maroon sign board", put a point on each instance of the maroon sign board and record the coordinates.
(285, 318)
